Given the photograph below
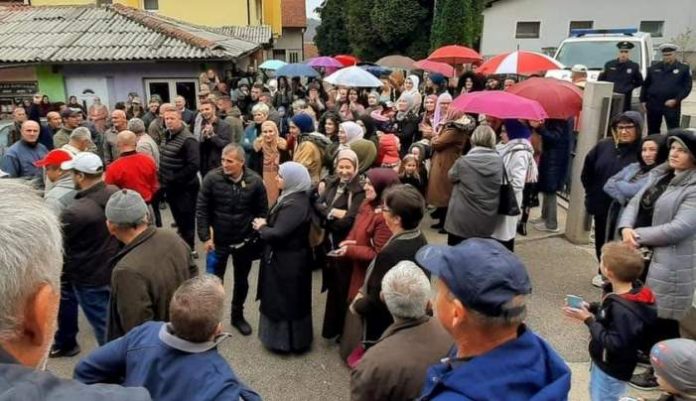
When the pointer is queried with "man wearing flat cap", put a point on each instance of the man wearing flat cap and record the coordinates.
(481, 301)
(667, 83)
(151, 266)
(623, 73)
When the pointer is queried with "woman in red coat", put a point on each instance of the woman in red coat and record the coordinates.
(366, 238)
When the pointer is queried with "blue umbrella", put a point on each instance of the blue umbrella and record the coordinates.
(296, 70)
(272, 64)
(376, 70)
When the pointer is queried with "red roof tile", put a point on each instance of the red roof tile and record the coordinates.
(294, 13)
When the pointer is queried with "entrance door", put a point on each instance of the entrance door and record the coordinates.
(169, 88)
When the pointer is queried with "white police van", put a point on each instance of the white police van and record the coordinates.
(594, 47)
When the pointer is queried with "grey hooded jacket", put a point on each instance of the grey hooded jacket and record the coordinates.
(672, 236)
(473, 207)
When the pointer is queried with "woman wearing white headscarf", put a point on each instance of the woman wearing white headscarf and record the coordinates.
(411, 87)
(349, 132)
(285, 278)
(406, 122)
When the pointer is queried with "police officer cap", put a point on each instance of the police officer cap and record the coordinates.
(625, 45)
(668, 48)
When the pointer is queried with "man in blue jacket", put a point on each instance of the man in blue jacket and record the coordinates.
(176, 360)
(481, 302)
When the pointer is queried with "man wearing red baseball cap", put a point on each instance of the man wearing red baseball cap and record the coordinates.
(63, 190)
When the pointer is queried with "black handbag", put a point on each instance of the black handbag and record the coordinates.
(508, 202)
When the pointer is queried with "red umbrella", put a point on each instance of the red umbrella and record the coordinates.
(561, 99)
(434, 66)
(347, 60)
(500, 104)
(455, 54)
(519, 62)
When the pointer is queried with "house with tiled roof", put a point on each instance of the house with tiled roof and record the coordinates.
(111, 51)
(290, 45)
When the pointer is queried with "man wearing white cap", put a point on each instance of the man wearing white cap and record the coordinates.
(88, 249)
(667, 83)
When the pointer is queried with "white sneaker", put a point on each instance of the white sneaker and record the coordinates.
(598, 281)
(536, 221)
(542, 227)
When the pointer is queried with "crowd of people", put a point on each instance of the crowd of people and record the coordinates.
(303, 176)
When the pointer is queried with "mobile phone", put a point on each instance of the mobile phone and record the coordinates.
(333, 253)
(574, 301)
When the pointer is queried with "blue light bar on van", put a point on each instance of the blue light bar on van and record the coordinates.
(583, 32)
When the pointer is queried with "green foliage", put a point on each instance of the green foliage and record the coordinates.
(332, 37)
(364, 38)
(452, 23)
(398, 21)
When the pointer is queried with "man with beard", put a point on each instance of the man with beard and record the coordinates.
(19, 160)
(32, 259)
(213, 134)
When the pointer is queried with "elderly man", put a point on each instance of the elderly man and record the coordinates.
(132, 170)
(62, 191)
(231, 197)
(119, 123)
(188, 116)
(80, 141)
(88, 249)
(177, 360)
(19, 160)
(179, 165)
(71, 120)
(19, 116)
(156, 129)
(481, 302)
(386, 372)
(147, 271)
(146, 144)
(213, 133)
(32, 260)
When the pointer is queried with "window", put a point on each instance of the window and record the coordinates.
(168, 89)
(103, 2)
(293, 56)
(580, 25)
(528, 30)
(151, 5)
(279, 54)
(654, 28)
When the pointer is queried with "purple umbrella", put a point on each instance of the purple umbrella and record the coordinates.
(500, 104)
(324, 62)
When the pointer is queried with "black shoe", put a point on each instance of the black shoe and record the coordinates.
(645, 381)
(522, 228)
(239, 323)
(60, 353)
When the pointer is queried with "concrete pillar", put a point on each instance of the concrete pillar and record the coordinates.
(594, 122)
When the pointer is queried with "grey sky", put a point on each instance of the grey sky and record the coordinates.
(311, 5)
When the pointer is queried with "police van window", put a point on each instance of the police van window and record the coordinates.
(593, 54)
(654, 28)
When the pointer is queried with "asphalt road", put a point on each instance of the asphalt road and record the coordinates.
(556, 267)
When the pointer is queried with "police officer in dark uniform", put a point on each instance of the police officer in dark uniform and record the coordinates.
(624, 73)
(666, 85)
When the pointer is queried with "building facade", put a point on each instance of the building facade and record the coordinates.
(541, 25)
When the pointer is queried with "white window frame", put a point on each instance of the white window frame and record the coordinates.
(289, 56)
(527, 22)
(172, 88)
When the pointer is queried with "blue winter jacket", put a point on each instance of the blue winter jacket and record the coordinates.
(170, 368)
(623, 185)
(525, 369)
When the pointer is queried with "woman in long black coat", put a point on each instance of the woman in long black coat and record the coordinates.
(403, 211)
(285, 279)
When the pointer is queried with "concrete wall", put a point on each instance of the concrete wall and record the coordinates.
(500, 20)
(112, 83)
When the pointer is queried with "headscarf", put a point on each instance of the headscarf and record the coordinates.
(271, 153)
(366, 152)
(353, 131)
(662, 151)
(442, 98)
(452, 115)
(382, 178)
(437, 79)
(429, 116)
(370, 128)
(409, 99)
(382, 122)
(517, 130)
(295, 179)
(304, 122)
(348, 154)
(414, 92)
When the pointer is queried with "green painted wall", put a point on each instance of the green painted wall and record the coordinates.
(51, 84)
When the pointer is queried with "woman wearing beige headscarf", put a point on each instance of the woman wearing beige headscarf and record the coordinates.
(270, 150)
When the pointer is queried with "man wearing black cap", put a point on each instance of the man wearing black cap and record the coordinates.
(71, 120)
(667, 83)
(623, 72)
(481, 302)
